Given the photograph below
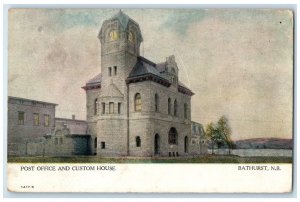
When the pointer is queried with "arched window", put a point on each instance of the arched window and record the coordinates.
(156, 103)
(137, 102)
(185, 110)
(96, 106)
(175, 107)
(169, 106)
(137, 141)
(173, 136)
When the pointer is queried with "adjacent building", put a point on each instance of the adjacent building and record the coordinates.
(33, 130)
(28, 120)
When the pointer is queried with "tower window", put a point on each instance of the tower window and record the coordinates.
(102, 145)
(103, 107)
(156, 103)
(185, 110)
(109, 71)
(169, 106)
(119, 108)
(137, 102)
(114, 35)
(36, 119)
(21, 118)
(115, 70)
(111, 107)
(96, 106)
(131, 37)
(138, 141)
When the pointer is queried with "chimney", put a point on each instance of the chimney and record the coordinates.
(73, 116)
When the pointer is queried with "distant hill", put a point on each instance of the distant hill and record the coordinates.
(264, 143)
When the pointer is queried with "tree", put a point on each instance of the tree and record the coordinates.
(224, 132)
(209, 133)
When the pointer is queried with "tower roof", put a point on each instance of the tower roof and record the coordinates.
(123, 19)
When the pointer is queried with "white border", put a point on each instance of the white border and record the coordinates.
(176, 3)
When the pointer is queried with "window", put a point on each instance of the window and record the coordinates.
(185, 110)
(169, 106)
(21, 118)
(131, 37)
(36, 119)
(56, 141)
(173, 136)
(96, 106)
(95, 142)
(115, 70)
(46, 120)
(111, 107)
(175, 108)
(137, 102)
(102, 145)
(61, 140)
(119, 108)
(109, 71)
(194, 129)
(138, 141)
(156, 102)
(114, 35)
(103, 107)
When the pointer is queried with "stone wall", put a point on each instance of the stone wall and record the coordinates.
(148, 122)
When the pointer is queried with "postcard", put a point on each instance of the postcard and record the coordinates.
(150, 100)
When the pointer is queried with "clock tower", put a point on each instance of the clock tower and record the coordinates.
(120, 39)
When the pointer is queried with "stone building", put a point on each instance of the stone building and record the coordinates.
(136, 107)
(28, 120)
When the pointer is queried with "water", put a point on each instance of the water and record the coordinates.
(256, 152)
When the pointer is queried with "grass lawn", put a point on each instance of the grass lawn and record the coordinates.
(202, 159)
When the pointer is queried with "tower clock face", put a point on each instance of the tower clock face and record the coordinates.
(114, 35)
(131, 37)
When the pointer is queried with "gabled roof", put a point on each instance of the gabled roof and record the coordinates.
(112, 91)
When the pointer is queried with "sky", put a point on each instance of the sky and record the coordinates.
(238, 62)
